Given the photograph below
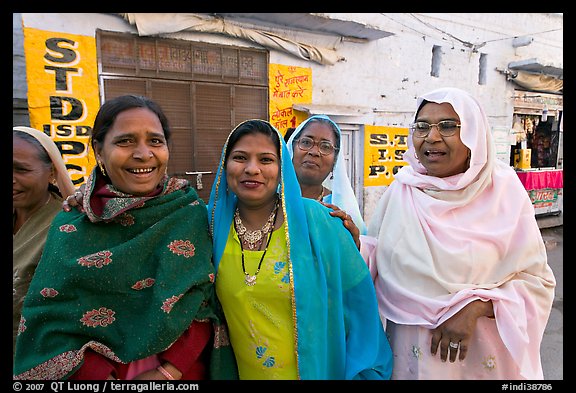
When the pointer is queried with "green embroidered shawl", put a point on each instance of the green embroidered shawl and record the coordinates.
(125, 282)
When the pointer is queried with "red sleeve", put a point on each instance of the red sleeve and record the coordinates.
(95, 367)
(186, 354)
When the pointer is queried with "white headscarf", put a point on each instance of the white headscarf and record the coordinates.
(63, 180)
(342, 193)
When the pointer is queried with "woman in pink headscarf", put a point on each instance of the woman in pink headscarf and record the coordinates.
(460, 268)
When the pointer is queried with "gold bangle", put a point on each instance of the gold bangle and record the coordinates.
(165, 372)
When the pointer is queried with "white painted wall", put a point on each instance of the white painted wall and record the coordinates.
(385, 76)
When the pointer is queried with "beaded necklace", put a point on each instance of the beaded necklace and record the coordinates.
(253, 238)
(250, 280)
(321, 196)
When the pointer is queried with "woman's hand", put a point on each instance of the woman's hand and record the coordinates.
(346, 220)
(156, 374)
(455, 333)
(74, 200)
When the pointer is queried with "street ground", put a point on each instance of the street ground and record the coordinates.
(552, 350)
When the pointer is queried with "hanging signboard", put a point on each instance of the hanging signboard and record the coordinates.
(63, 95)
(383, 150)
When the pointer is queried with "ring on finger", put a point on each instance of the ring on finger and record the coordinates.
(454, 345)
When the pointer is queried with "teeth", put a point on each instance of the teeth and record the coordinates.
(142, 170)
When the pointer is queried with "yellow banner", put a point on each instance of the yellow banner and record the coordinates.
(384, 147)
(63, 95)
(288, 85)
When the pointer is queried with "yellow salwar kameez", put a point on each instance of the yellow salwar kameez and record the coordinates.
(259, 316)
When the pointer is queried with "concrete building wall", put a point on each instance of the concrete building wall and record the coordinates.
(383, 77)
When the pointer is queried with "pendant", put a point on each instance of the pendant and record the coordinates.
(250, 280)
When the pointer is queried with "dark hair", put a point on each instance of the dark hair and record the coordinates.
(252, 127)
(112, 108)
(289, 132)
(43, 155)
(424, 102)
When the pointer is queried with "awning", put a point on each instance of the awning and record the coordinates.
(535, 65)
(534, 81)
(165, 23)
(537, 82)
(349, 30)
(532, 74)
(332, 110)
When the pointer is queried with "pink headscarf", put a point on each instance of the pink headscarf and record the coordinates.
(444, 242)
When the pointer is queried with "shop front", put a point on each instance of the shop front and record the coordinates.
(544, 186)
(537, 155)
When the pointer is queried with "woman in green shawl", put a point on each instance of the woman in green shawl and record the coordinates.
(125, 288)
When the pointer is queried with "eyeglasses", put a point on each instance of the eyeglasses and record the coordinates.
(421, 129)
(324, 147)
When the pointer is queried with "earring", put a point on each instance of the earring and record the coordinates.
(416, 157)
(101, 168)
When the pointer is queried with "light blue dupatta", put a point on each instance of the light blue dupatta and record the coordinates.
(338, 330)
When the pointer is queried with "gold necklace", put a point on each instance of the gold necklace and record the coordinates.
(253, 238)
(321, 196)
(250, 280)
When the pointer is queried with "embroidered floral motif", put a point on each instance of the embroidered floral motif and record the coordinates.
(99, 259)
(269, 362)
(67, 228)
(21, 325)
(490, 362)
(49, 292)
(260, 351)
(416, 352)
(221, 337)
(278, 266)
(145, 283)
(182, 247)
(61, 365)
(280, 269)
(195, 203)
(169, 303)
(212, 277)
(126, 220)
(175, 183)
(101, 317)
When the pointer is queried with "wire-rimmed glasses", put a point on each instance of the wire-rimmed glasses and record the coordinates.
(421, 129)
(324, 147)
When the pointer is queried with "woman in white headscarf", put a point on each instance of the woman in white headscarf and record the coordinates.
(39, 182)
(461, 271)
(315, 150)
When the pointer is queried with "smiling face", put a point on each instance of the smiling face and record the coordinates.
(312, 167)
(441, 156)
(30, 176)
(253, 169)
(134, 151)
